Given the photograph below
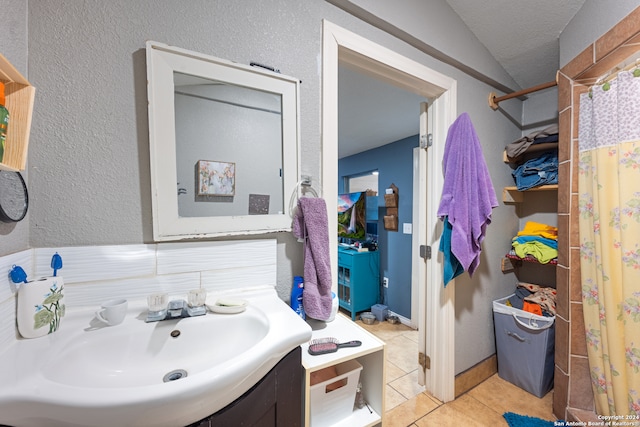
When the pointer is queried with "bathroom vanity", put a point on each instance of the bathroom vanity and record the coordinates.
(276, 400)
(88, 374)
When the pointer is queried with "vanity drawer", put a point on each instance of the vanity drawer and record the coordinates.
(345, 259)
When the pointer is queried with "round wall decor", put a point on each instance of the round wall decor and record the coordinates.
(14, 199)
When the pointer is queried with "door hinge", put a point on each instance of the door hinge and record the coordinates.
(425, 252)
(424, 361)
(426, 141)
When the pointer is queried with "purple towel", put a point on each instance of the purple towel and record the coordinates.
(467, 195)
(310, 223)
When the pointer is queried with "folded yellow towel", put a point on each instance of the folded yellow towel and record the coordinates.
(532, 228)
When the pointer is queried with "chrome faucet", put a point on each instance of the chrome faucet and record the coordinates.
(175, 310)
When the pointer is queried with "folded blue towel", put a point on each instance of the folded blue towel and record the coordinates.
(526, 239)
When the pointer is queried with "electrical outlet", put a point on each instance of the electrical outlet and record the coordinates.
(385, 282)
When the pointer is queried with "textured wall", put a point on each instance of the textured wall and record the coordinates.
(91, 168)
(13, 33)
(14, 237)
(428, 21)
(595, 18)
(88, 164)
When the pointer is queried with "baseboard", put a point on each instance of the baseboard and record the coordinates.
(473, 376)
(403, 320)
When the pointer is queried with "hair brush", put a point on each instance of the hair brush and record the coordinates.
(329, 345)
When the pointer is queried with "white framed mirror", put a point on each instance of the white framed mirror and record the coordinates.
(223, 142)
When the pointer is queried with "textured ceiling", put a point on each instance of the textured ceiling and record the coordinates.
(522, 35)
(372, 113)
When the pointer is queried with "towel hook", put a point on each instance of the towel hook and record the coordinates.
(304, 186)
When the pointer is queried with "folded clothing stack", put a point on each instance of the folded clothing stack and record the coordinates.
(534, 299)
(542, 170)
(540, 140)
(536, 240)
(537, 157)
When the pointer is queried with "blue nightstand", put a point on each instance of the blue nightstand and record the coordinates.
(358, 280)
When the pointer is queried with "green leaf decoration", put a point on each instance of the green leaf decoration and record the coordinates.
(53, 298)
(636, 72)
(51, 310)
(606, 86)
(42, 318)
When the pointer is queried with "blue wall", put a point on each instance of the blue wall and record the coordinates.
(394, 163)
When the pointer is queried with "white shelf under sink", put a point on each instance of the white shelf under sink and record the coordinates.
(371, 355)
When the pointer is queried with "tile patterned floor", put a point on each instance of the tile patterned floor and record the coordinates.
(409, 405)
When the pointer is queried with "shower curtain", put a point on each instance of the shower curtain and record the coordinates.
(609, 205)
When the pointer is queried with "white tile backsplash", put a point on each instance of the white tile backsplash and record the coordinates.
(93, 274)
(95, 263)
(95, 293)
(230, 278)
(203, 256)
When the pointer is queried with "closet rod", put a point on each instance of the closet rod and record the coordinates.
(494, 101)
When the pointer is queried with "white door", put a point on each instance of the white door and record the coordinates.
(436, 302)
(419, 240)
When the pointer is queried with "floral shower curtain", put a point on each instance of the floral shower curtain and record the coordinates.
(609, 203)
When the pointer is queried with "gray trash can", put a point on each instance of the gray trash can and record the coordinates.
(524, 347)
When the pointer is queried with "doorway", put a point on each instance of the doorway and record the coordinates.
(436, 303)
(378, 129)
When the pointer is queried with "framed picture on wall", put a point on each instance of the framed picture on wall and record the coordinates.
(216, 178)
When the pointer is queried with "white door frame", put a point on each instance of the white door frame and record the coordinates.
(437, 315)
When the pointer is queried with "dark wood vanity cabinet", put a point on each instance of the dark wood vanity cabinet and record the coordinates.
(276, 400)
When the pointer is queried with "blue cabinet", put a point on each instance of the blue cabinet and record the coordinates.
(358, 280)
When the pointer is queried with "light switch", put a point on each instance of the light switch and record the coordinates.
(406, 228)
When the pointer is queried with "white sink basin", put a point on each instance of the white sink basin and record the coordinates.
(83, 375)
(124, 357)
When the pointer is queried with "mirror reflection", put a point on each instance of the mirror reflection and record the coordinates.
(228, 148)
(223, 141)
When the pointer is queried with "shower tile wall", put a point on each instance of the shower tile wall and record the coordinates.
(573, 398)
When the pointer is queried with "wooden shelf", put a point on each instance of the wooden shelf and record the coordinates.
(513, 195)
(20, 96)
(391, 203)
(530, 151)
(529, 258)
